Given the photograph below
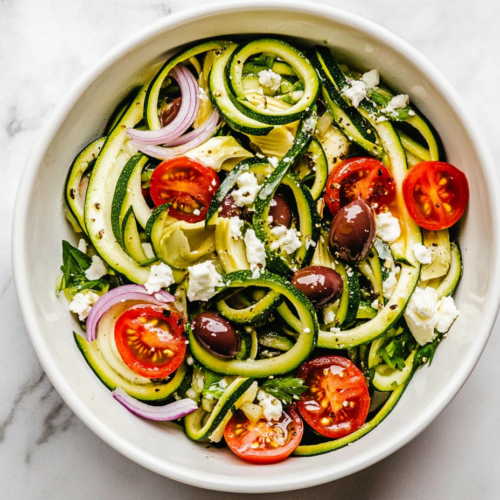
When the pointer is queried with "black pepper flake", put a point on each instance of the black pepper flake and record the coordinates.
(167, 313)
(179, 322)
(72, 193)
(379, 172)
(394, 306)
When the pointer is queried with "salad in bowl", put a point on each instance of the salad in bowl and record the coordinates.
(267, 248)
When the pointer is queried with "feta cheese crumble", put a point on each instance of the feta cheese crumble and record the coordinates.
(82, 246)
(371, 79)
(268, 78)
(390, 283)
(388, 228)
(286, 239)
(235, 225)
(328, 317)
(248, 189)
(426, 313)
(272, 406)
(82, 304)
(203, 279)
(422, 253)
(256, 253)
(356, 92)
(397, 102)
(196, 212)
(159, 277)
(96, 270)
(273, 161)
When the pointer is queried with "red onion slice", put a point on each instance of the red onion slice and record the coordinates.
(122, 294)
(188, 110)
(172, 411)
(199, 136)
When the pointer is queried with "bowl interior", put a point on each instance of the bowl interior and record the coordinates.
(40, 226)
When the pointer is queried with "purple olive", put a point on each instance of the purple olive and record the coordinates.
(280, 211)
(319, 284)
(216, 335)
(353, 231)
(229, 209)
(169, 112)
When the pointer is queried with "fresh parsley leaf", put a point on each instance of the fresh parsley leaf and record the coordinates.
(426, 353)
(285, 389)
(213, 385)
(397, 350)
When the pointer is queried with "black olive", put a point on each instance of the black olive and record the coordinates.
(353, 231)
(216, 334)
(229, 209)
(280, 211)
(169, 112)
(319, 284)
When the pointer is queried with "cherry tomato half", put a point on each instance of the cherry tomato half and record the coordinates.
(336, 402)
(436, 194)
(149, 340)
(187, 184)
(264, 442)
(365, 178)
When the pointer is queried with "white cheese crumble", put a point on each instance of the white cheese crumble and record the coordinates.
(397, 102)
(328, 317)
(286, 239)
(390, 283)
(376, 304)
(235, 225)
(96, 270)
(422, 253)
(273, 161)
(148, 250)
(82, 303)
(426, 313)
(383, 250)
(82, 246)
(268, 78)
(272, 406)
(160, 276)
(388, 228)
(203, 279)
(196, 212)
(248, 189)
(371, 79)
(310, 243)
(256, 253)
(356, 92)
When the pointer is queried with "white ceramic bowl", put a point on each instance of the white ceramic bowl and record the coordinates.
(39, 227)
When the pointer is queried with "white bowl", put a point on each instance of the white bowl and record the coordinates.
(39, 227)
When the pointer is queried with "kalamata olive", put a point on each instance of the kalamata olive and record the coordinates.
(280, 211)
(169, 112)
(216, 334)
(352, 231)
(319, 284)
(229, 209)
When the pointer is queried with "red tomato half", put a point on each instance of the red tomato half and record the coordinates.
(149, 340)
(336, 402)
(436, 194)
(365, 178)
(187, 184)
(264, 442)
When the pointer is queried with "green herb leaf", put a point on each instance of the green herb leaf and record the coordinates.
(285, 389)
(426, 353)
(213, 385)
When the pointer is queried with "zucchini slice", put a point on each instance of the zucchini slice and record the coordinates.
(131, 238)
(156, 392)
(319, 449)
(290, 55)
(279, 364)
(201, 425)
(153, 92)
(220, 94)
(370, 267)
(387, 379)
(314, 164)
(98, 202)
(80, 165)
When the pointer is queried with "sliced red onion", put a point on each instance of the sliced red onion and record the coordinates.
(200, 135)
(188, 110)
(172, 411)
(122, 294)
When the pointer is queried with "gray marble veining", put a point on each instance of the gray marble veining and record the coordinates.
(45, 451)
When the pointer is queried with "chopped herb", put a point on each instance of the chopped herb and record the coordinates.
(285, 389)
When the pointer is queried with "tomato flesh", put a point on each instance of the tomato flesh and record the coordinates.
(149, 340)
(188, 185)
(436, 194)
(264, 442)
(336, 402)
(365, 178)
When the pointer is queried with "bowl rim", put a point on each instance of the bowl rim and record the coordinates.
(21, 277)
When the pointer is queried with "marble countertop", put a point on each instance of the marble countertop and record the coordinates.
(45, 451)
